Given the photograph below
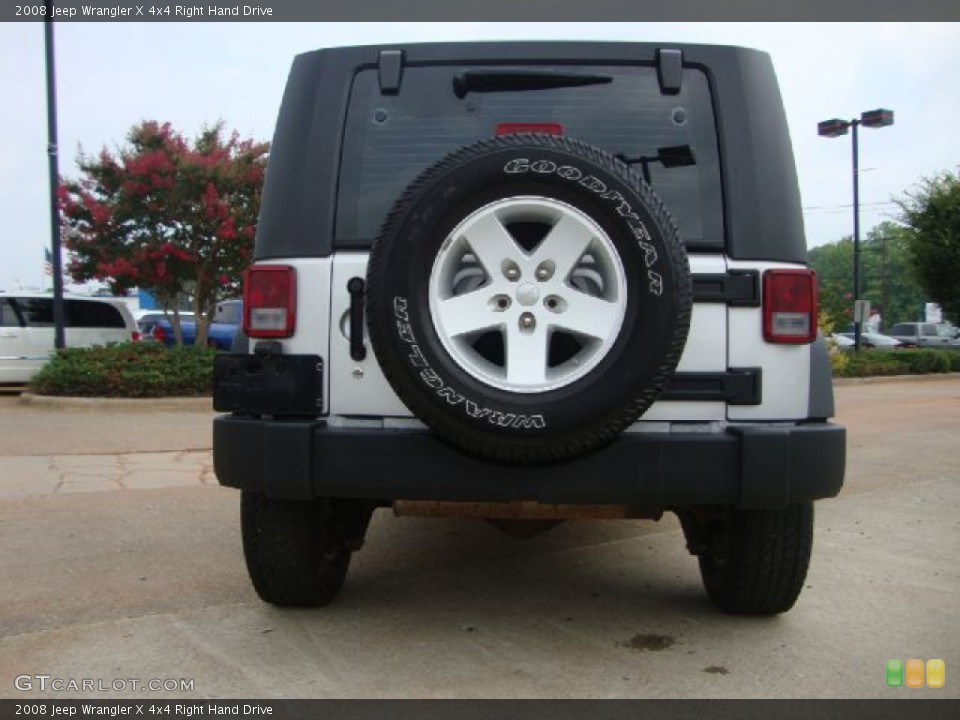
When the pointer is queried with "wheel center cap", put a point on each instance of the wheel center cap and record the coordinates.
(527, 294)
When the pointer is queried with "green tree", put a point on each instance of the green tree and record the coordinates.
(888, 280)
(932, 219)
(167, 215)
(833, 263)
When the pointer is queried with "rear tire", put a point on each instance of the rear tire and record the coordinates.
(298, 552)
(754, 562)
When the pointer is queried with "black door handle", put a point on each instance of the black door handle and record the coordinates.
(358, 350)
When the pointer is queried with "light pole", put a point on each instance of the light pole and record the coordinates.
(835, 128)
(54, 170)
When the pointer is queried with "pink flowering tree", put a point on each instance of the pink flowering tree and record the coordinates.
(174, 217)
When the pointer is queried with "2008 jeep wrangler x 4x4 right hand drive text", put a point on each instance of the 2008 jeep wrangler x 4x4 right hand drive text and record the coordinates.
(527, 282)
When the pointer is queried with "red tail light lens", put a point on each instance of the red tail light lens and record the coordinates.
(512, 128)
(789, 306)
(269, 301)
(159, 334)
(135, 336)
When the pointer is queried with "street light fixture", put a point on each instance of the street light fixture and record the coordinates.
(835, 128)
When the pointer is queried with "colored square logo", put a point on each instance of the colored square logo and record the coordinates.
(915, 671)
(936, 673)
(894, 673)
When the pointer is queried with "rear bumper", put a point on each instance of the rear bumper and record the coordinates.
(748, 466)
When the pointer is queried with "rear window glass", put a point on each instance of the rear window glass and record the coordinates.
(390, 139)
(83, 314)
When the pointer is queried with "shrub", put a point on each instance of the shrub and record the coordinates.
(839, 359)
(128, 370)
(923, 362)
(870, 363)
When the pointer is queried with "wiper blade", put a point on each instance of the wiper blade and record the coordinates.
(518, 80)
(669, 157)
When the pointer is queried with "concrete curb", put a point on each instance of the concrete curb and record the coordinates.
(896, 378)
(166, 404)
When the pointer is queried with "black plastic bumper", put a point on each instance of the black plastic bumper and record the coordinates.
(745, 466)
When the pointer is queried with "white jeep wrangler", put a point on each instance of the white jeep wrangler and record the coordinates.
(529, 282)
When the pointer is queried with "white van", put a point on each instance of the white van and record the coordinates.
(27, 329)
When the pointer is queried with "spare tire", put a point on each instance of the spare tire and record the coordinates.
(528, 298)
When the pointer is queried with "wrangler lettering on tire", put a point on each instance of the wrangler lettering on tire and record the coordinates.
(528, 298)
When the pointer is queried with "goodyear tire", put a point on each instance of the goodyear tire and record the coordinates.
(297, 552)
(755, 561)
(528, 298)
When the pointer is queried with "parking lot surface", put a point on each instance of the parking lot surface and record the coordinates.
(120, 558)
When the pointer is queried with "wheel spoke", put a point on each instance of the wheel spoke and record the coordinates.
(524, 296)
(588, 315)
(491, 243)
(526, 355)
(467, 313)
(564, 245)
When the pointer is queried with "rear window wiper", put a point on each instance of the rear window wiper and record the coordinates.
(669, 157)
(468, 81)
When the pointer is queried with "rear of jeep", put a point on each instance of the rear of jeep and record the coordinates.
(530, 282)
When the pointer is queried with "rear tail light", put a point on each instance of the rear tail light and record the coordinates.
(789, 306)
(159, 334)
(135, 336)
(269, 301)
(512, 128)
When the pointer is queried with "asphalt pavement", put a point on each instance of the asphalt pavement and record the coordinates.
(120, 563)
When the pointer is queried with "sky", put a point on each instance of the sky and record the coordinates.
(112, 76)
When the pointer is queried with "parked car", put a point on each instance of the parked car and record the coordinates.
(873, 340)
(229, 312)
(227, 319)
(159, 326)
(843, 341)
(926, 335)
(27, 329)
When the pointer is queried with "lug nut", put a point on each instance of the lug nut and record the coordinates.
(512, 273)
(527, 321)
(544, 273)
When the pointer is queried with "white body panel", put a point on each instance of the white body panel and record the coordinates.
(312, 333)
(721, 337)
(18, 362)
(705, 351)
(786, 368)
(360, 389)
(356, 388)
